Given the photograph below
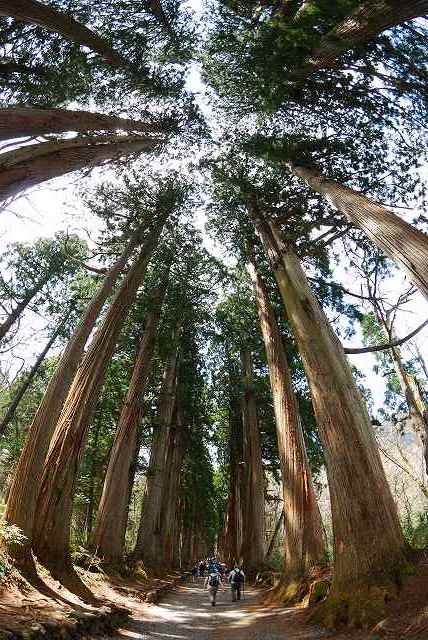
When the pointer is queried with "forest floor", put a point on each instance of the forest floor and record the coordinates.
(186, 614)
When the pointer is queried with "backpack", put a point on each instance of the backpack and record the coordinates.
(238, 577)
(213, 580)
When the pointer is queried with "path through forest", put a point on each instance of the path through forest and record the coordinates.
(186, 614)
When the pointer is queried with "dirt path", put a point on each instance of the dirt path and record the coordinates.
(186, 614)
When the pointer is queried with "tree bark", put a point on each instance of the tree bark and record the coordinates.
(21, 306)
(400, 241)
(147, 547)
(51, 536)
(370, 551)
(274, 535)
(30, 165)
(364, 24)
(45, 16)
(171, 492)
(253, 544)
(22, 498)
(18, 121)
(303, 541)
(110, 528)
(23, 388)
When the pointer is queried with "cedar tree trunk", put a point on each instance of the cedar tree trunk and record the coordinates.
(51, 535)
(41, 14)
(399, 240)
(253, 532)
(370, 551)
(364, 24)
(18, 121)
(110, 528)
(147, 547)
(303, 542)
(22, 498)
(27, 166)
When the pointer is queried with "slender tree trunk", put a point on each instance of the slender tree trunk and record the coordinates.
(22, 498)
(18, 121)
(23, 388)
(253, 546)
(418, 411)
(274, 535)
(30, 165)
(91, 493)
(364, 24)
(147, 547)
(400, 241)
(170, 495)
(233, 521)
(21, 306)
(421, 361)
(303, 542)
(110, 528)
(41, 14)
(370, 551)
(51, 536)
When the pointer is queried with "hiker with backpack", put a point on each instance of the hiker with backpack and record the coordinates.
(237, 582)
(213, 583)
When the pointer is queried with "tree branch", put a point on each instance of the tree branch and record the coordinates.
(389, 345)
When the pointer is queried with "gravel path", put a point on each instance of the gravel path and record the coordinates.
(186, 614)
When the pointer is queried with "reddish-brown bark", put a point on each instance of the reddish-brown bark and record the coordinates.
(109, 535)
(46, 16)
(370, 550)
(51, 535)
(21, 502)
(17, 121)
(30, 165)
(399, 240)
(303, 541)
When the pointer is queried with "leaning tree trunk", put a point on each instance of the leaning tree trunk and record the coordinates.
(18, 121)
(27, 382)
(46, 16)
(418, 410)
(364, 24)
(51, 536)
(29, 165)
(147, 547)
(171, 492)
(400, 241)
(22, 498)
(253, 544)
(110, 528)
(370, 551)
(303, 542)
(21, 306)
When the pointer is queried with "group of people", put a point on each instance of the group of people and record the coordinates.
(216, 574)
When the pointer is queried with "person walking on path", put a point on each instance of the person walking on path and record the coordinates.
(202, 567)
(237, 582)
(194, 573)
(212, 583)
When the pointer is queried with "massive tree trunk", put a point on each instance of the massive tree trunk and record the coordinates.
(27, 382)
(303, 542)
(147, 547)
(18, 121)
(30, 165)
(365, 23)
(171, 491)
(21, 502)
(110, 528)
(51, 535)
(400, 241)
(46, 16)
(370, 551)
(253, 534)
(21, 306)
